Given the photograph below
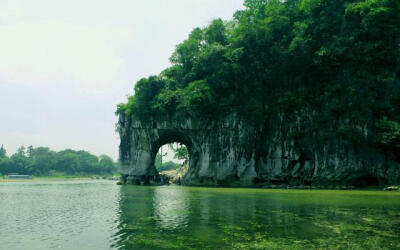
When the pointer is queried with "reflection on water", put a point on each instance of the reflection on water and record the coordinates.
(171, 207)
(102, 215)
(173, 217)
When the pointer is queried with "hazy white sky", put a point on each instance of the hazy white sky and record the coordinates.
(66, 64)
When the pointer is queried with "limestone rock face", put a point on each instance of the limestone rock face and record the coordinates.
(232, 152)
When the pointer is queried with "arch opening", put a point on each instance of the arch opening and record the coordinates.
(172, 162)
(171, 156)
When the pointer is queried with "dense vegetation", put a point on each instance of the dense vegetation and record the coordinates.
(43, 161)
(180, 153)
(165, 166)
(335, 61)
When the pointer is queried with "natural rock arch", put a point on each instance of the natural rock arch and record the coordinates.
(167, 136)
(215, 158)
(144, 147)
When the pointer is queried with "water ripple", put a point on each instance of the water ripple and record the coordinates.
(60, 215)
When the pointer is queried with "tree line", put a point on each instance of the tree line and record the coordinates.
(43, 161)
(180, 153)
(333, 64)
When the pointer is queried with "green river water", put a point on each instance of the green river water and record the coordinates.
(102, 215)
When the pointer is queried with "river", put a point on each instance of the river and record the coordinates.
(101, 215)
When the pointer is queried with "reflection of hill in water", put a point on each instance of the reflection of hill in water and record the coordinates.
(171, 208)
(175, 217)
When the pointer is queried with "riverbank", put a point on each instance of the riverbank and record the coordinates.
(176, 176)
(61, 178)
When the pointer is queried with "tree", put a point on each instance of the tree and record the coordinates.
(254, 5)
(147, 90)
(197, 96)
(67, 162)
(43, 161)
(19, 162)
(6, 166)
(181, 153)
(3, 152)
(30, 151)
(216, 33)
(106, 164)
(21, 151)
(168, 166)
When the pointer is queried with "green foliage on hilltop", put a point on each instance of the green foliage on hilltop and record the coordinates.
(43, 161)
(339, 59)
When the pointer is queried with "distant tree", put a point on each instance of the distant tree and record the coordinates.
(30, 151)
(168, 166)
(181, 153)
(21, 151)
(19, 162)
(3, 152)
(5, 166)
(67, 162)
(106, 164)
(43, 161)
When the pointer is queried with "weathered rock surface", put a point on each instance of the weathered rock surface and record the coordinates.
(176, 176)
(232, 152)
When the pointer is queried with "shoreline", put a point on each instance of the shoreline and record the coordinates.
(58, 178)
(116, 179)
